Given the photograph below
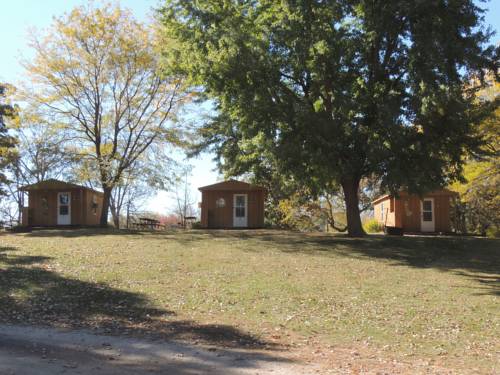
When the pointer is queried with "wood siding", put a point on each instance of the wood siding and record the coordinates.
(222, 217)
(407, 211)
(81, 210)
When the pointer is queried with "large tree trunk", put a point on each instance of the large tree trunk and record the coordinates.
(115, 213)
(116, 217)
(116, 221)
(351, 191)
(105, 206)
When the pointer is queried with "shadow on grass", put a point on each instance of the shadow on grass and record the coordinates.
(75, 232)
(32, 293)
(470, 257)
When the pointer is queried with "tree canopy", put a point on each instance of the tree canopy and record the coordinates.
(334, 91)
(95, 75)
(8, 153)
(479, 193)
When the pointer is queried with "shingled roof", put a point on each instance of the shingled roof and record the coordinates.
(231, 185)
(53, 184)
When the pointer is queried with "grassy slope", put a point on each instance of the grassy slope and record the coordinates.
(410, 297)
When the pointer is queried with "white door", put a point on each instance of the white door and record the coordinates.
(63, 208)
(427, 217)
(240, 210)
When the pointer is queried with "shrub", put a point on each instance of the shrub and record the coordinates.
(373, 226)
(493, 232)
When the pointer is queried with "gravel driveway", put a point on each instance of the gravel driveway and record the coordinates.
(48, 351)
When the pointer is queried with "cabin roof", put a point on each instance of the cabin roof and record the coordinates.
(404, 193)
(231, 185)
(53, 184)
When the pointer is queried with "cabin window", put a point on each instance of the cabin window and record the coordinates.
(382, 211)
(94, 205)
(220, 203)
(45, 205)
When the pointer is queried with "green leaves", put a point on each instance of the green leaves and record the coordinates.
(8, 153)
(344, 89)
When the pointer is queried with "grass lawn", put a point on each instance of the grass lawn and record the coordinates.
(408, 298)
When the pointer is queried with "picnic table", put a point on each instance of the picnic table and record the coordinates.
(147, 223)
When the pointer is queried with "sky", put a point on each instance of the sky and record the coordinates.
(17, 17)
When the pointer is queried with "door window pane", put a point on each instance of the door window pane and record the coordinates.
(427, 205)
(63, 210)
(240, 206)
(240, 201)
(240, 212)
(63, 199)
(427, 216)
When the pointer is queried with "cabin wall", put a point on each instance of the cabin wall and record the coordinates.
(442, 205)
(92, 215)
(411, 213)
(47, 216)
(388, 206)
(81, 213)
(407, 212)
(222, 217)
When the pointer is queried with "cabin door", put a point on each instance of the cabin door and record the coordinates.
(427, 216)
(240, 210)
(63, 208)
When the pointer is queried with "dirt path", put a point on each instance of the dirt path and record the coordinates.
(48, 351)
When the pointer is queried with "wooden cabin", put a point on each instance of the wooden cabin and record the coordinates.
(54, 203)
(232, 204)
(413, 213)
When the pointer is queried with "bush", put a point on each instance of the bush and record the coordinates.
(493, 232)
(373, 226)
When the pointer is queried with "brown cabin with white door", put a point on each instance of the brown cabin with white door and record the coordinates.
(53, 203)
(414, 213)
(232, 204)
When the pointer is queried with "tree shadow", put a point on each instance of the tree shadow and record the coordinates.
(471, 257)
(32, 293)
(75, 232)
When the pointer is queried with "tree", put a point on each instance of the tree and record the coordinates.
(184, 202)
(337, 91)
(95, 74)
(8, 152)
(479, 205)
(40, 156)
(152, 172)
(304, 210)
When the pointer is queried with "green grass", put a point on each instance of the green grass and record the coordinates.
(412, 298)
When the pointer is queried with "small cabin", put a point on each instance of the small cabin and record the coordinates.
(414, 213)
(54, 203)
(232, 204)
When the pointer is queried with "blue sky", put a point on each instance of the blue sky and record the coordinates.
(18, 16)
